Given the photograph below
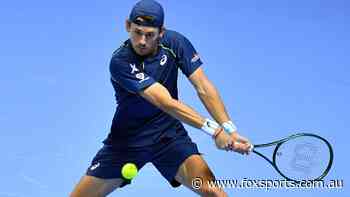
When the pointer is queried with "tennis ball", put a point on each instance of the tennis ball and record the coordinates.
(129, 171)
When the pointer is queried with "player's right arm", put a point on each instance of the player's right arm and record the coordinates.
(159, 96)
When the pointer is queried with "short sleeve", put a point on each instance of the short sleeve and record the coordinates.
(188, 57)
(129, 76)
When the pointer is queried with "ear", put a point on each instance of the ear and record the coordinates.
(127, 25)
(162, 31)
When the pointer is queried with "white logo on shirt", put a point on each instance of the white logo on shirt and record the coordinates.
(141, 76)
(163, 60)
(133, 68)
(195, 58)
(95, 166)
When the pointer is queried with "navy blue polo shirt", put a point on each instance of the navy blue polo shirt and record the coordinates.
(137, 122)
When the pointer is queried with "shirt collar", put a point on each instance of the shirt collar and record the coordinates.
(147, 60)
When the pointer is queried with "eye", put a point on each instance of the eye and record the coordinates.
(138, 32)
(150, 35)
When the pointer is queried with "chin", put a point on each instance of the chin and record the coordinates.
(145, 53)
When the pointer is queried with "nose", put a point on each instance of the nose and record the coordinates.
(143, 40)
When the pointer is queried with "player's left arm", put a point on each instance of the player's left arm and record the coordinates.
(209, 96)
(212, 101)
(189, 62)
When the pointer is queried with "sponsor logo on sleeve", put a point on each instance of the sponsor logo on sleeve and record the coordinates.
(141, 76)
(133, 68)
(195, 58)
(93, 167)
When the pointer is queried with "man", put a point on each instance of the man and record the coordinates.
(146, 126)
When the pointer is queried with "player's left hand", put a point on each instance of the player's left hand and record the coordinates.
(240, 144)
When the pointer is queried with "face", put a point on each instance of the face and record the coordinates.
(144, 39)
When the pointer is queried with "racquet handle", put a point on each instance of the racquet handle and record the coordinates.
(251, 148)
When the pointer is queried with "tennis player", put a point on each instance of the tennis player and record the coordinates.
(147, 125)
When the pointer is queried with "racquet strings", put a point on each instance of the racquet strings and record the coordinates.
(303, 158)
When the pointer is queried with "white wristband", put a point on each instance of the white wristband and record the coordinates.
(210, 126)
(229, 127)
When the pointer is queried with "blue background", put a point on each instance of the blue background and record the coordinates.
(280, 66)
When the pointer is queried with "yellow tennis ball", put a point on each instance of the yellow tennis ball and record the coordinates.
(129, 171)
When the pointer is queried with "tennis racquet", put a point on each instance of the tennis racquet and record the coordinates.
(299, 157)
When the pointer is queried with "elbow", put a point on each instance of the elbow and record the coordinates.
(205, 89)
(202, 93)
(208, 93)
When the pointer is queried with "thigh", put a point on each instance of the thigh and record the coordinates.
(90, 186)
(192, 168)
(194, 173)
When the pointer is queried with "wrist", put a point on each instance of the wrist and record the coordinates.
(217, 133)
(229, 127)
(209, 127)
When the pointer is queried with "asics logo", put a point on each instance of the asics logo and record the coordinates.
(163, 60)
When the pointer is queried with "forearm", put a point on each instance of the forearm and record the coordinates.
(211, 99)
(184, 113)
(159, 96)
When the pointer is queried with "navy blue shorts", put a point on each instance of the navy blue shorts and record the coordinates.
(166, 156)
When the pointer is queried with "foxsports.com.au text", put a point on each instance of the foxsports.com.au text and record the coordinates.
(267, 184)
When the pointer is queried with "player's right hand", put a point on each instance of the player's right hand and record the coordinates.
(223, 141)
